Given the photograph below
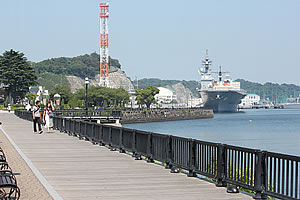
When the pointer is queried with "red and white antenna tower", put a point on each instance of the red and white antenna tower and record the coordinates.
(104, 56)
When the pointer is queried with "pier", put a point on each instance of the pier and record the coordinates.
(68, 168)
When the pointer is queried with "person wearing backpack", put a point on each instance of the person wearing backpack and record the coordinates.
(36, 117)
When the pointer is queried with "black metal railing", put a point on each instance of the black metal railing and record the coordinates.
(265, 173)
(91, 113)
(75, 113)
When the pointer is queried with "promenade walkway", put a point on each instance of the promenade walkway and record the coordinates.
(69, 168)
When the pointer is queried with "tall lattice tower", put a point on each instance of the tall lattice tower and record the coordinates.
(104, 56)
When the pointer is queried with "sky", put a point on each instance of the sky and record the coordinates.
(258, 40)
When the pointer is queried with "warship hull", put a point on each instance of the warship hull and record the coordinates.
(222, 101)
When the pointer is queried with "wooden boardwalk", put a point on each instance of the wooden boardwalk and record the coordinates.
(76, 169)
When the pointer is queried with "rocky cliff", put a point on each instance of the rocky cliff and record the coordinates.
(183, 94)
(117, 79)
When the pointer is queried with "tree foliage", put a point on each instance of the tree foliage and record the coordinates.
(102, 96)
(273, 91)
(31, 97)
(81, 66)
(64, 92)
(146, 96)
(16, 74)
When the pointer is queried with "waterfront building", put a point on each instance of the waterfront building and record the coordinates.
(195, 102)
(165, 95)
(249, 101)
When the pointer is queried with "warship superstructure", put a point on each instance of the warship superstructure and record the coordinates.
(222, 95)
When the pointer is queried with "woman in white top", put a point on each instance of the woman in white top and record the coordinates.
(47, 116)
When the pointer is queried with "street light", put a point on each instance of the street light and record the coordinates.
(86, 95)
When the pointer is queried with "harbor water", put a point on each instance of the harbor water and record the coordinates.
(265, 129)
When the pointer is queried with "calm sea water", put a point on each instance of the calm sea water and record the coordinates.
(271, 130)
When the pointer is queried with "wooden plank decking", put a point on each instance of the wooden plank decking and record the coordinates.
(77, 169)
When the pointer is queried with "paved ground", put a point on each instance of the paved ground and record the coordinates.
(79, 170)
(30, 186)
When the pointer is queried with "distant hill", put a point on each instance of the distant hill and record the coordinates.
(81, 66)
(53, 71)
(274, 91)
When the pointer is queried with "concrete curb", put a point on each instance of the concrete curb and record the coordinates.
(36, 172)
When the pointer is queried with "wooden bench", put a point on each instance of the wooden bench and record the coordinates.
(8, 186)
(8, 183)
(2, 156)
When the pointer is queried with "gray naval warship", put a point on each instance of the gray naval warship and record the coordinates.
(221, 95)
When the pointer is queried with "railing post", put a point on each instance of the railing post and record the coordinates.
(74, 128)
(80, 130)
(101, 143)
(93, 134)
(169, 153)
(61, 125)
(259, 175)
(149, 149)
(192, 158)
(54, 123)
(221, 166)
(121, 141)
(110, 139)
(133, 144)
(85, 130)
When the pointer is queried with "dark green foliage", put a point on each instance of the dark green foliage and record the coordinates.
(81, 66)
(50, 80)
(275, 92)
(31, 97)
(146, 96)
(102, 96)
(64, 92)
(16, 74)
(192, 85)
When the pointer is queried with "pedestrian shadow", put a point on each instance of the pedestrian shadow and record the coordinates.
(49, 132)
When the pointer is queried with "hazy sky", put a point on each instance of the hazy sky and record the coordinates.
(258, 40)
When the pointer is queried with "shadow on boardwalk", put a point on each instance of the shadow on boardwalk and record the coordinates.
(79, 170)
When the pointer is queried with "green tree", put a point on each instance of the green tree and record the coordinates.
(103, 97)
(146, 96)
(64, 92)
(31, 97)
(16, 74)
(81, 66)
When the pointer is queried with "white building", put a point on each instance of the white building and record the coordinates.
(165, 95)
(195, 102)
(249, 101)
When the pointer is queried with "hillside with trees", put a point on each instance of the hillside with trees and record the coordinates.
(82, 66)
(53, 71)
(273, 91)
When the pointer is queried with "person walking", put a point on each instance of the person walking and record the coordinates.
(36, 116)
(48, 116)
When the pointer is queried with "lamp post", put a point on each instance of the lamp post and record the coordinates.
(86, 95)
